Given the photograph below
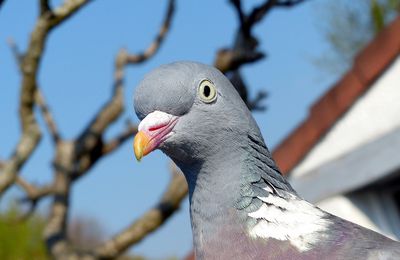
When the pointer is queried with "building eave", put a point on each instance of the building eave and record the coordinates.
(368, 65)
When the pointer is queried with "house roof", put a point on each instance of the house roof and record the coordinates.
(368, 65)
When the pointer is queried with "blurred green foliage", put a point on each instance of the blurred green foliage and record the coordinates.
(21, 239)
(382, 11)
(347, 26)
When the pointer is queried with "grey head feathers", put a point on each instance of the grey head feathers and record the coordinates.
(166, 89)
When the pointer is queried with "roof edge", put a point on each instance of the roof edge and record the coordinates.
(368, 65)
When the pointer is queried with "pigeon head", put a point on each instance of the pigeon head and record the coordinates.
(241, 207)
(188, 110)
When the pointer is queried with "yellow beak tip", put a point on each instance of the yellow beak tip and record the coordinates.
(138, 152)
(138, 157)
(139, 145)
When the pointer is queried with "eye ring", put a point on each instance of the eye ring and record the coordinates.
(207, 91)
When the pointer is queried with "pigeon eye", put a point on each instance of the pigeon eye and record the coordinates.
(207, 91)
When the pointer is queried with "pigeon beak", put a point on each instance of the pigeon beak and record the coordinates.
(154, 129)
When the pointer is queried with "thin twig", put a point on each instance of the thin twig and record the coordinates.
(155, 46)
(15, 51)
(289, 3)
(75, 158)
(33, 195)
(67, 9)
(238, 7)
(232, 59)
(31, 133)
(259, 12)
(244, 50)
(91, 138)
(48, 117)
(39, 99)
(1, 3)
(256, 103)
(117, 141)
(44, 7)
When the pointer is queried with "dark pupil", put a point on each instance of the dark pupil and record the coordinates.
(206, 91)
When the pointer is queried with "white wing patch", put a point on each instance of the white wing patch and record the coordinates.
(294, 220)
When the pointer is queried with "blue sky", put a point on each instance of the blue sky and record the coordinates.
(76, 78)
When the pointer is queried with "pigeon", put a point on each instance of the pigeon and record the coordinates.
(241, 206)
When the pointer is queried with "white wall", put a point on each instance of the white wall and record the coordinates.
(373, 210)
(374, 114)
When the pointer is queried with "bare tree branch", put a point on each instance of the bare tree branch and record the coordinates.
(289, 3)
(231, 59)
(90, 142)
(110, 112)
(15, 51)
(155, 46)
(33, 192)
(88, 148)
(237, 4)
(244, 50)
(26, 145)
(150, 221)
(255, 104)
(55, 233)
(39, 99)
(33, 195)
(1, 3)
(117, 141)
(48, 117)
(31, 134)
(44, 7)
(259, 12)
(67, 9)
(74, 159)
(55, 229)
